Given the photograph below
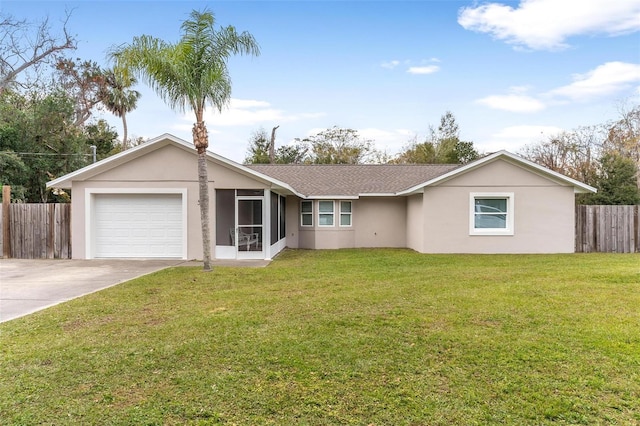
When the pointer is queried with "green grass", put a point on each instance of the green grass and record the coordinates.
(364, 337)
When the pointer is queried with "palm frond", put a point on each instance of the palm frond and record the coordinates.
(193, 72)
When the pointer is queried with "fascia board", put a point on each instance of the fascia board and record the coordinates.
(378, 194)
(331, 197)
(349, 197)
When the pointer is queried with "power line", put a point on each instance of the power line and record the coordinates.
(45, 154)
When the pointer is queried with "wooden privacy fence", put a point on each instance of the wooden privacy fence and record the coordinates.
(43, 231)
(607, 229)
(36, 231)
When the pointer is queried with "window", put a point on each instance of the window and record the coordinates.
(225, 216)
(278, 203)
(325, 213)
(274, 222)
(250, 192)
(491, 213)
(306, 213)
(345, 213)
(283, 215)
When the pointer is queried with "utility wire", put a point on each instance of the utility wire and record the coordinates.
(51, 154)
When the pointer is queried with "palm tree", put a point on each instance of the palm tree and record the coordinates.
(118, 98)
(190, 74)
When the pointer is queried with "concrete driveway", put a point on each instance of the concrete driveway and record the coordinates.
(27, 286)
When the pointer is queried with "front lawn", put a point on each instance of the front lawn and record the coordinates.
(364, 337)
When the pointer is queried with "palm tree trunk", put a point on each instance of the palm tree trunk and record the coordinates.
(124, 132)
(201, 141)
(203, 187)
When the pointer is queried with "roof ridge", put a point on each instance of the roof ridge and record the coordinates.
(353, 165)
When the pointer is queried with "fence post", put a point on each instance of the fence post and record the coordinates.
(6, 221)
(51, 225)
(636, 227)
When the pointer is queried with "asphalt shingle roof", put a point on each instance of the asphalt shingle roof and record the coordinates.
(352, 180)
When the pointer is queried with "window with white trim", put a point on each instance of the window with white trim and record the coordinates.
(306, 213)
(491, 213)
(325, 213)
(345, 213)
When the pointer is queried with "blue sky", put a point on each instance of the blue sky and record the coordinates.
(511, 72)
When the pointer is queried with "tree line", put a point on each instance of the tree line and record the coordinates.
(338, 145)
(605, 156)
(48, 102)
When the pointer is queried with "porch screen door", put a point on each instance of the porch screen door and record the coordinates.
(249, 239)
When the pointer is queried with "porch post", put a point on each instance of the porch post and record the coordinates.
(266, 239)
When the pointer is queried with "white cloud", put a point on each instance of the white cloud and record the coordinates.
(390, 65)
(514, 138)
(527, 132)
(546, 24)
(243, 113)
(519, 89)
(391, 141)
(517, 101)
(249, 112)
(428, 69)
(606, 79)
(426, 65)
(247, 103)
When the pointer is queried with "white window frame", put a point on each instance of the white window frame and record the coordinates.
(509, 230)
(349, 213)
(333, 213)
(302, 214)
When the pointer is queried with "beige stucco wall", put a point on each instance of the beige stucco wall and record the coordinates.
(320, 237)
(380, 222)
(306, 239)
(173, 164)
(543, 213)
(376, 222)
(292, 221)
(168, 163)
(415, 223)
(167, 167)
(334, 238)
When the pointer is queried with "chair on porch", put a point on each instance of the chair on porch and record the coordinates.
(244, 239)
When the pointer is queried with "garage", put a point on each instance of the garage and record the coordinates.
(138, 225)
(143, 203)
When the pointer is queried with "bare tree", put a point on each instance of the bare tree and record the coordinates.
(26, 46)
(443, 145)
(83, 81)
(573, 153)
(337, 145)
(272, 146)
(624, 136)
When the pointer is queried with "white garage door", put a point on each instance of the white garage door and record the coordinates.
(137, 225)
